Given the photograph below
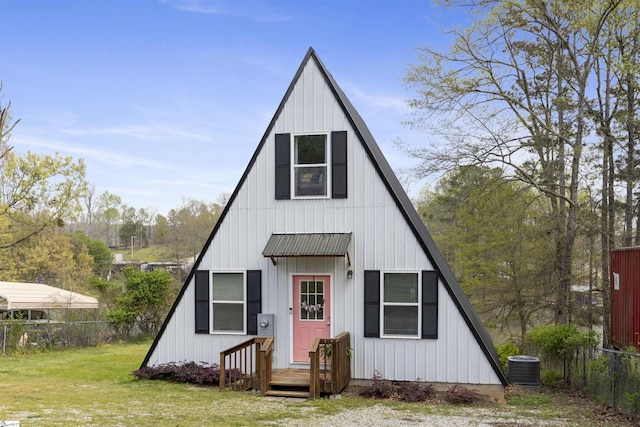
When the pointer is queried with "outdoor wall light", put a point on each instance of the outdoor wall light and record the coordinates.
(350, 274)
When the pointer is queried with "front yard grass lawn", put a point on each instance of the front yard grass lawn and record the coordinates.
(94, 387)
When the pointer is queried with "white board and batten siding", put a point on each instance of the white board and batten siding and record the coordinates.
(381, 240)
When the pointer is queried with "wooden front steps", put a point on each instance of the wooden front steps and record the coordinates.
(249, 365)
(289, 383)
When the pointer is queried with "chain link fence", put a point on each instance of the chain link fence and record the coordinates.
(23, 335)
(613, 377)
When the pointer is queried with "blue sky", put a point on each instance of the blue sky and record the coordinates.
(169, 99)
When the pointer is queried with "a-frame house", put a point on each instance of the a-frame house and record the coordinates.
(320, 259)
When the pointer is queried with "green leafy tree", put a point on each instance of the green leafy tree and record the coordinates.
(494, 234)
(135, 232)
(144, 219)
(186, 229)
(99, 251)
(161, 230)
(108, 213)
(179, 237)
(52, 258)
(6, 126)
(108, 291)
(37, 192)
(144, 302)
(512, 91)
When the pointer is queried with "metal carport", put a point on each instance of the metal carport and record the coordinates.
(36, 296)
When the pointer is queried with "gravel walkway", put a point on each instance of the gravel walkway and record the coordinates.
(383, 416)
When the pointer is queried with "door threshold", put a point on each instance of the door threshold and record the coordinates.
(299, 365)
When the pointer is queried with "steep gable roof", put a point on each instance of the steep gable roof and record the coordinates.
(399, 196)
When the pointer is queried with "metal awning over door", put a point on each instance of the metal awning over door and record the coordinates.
(287, 245)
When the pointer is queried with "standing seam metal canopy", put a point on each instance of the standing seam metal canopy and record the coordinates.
(307, 244)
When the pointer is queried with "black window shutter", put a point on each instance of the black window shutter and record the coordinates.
(283, 166)
(430, 304)
(202, 301)
(339, 165)
(372, 303)
(254, 300)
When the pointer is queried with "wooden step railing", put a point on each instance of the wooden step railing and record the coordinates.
(266, 364)
(246, 363)
(330, 365)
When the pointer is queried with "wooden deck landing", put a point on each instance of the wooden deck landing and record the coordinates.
(294, 377)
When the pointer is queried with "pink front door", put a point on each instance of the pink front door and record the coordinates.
(311, 313)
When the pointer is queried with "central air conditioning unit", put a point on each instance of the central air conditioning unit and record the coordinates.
(524, 370)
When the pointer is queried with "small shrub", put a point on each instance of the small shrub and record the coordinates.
(598, 375)
(159, 372)
(505, 351)
(405, 391)
(551, 378)
(414, 392)
(558, 341)
(379, 388)
(558, 345)
(14, 338)
(190, 372)
(598, 365)
(458, 395)
(633, 400)
(198, 374)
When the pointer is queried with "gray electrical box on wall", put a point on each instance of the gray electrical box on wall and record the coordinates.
(266, 325)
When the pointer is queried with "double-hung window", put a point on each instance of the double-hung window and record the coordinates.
(310, 165)
(401, 302)
(228, 299)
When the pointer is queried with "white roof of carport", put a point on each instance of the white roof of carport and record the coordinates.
(36, 296)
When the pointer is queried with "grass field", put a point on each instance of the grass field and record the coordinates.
(94, 387)
(150, 254)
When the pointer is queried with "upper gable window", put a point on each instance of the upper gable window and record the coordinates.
(310, 165)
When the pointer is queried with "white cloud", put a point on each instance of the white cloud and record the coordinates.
(195, 6)
(248, 10)
(139, 132)
(155, 131)
(378, 102)
(110, 158)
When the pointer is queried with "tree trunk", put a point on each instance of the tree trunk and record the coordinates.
(630, 173)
